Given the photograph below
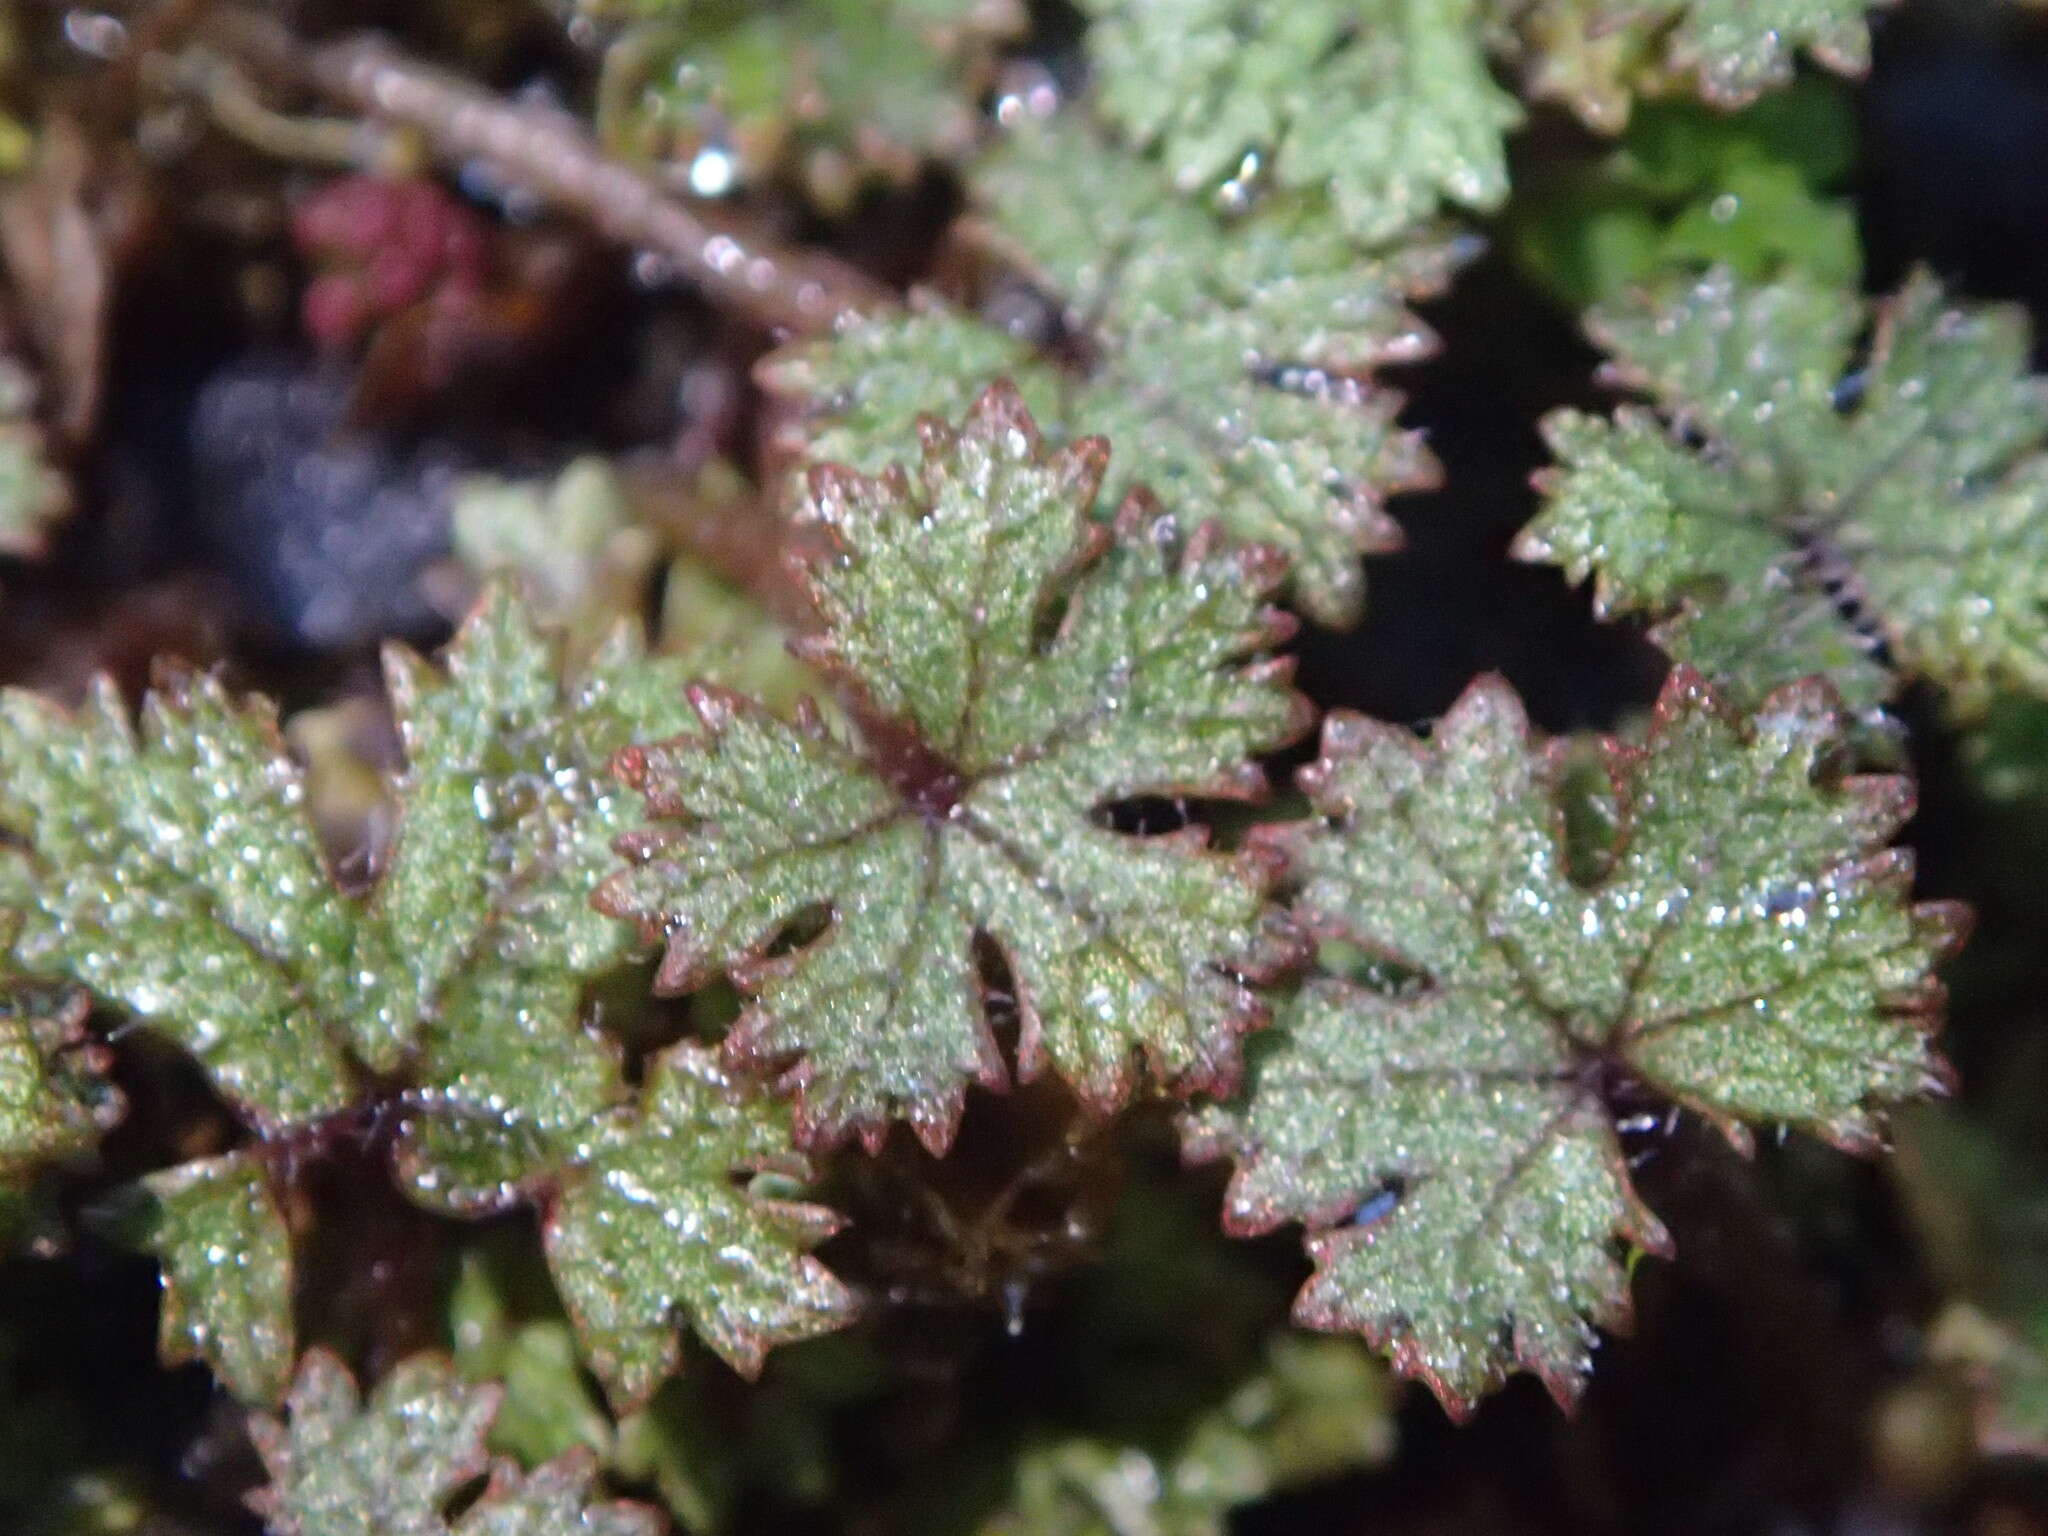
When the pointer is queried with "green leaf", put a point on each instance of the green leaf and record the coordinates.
(1688, 187)
(227, 1272)
(382, 1468)
(1015, 666)
(1788, 511)
(712, 626)
(1578, 52)
(1387, 104)
(836, 89)
(549, 1406)
(1085, 1487)
(571, 542)
(1227, 359)
(53, 1099)
(653, 1228)
(507, 813)
(553, 1501)
(172, 870)
(33, 492)
(1317, 1409)
(714, 1453)
(508, 823)
(1745, 949)
(1734, 50)
(176, 870)
(1597, 55)
(392, 1466)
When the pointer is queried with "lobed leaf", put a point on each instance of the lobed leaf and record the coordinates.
(1386, 104)
(1598, 55)
(1741, 944)
(53, 1099)
(1227, 359)
(174, 869)
(1787, 511)
(340, 1466)
(553, 1500)
(1016, 668)
(656, 1225)
(1736, 49)
(227, 1272)
(391, 1466)
(170, 868)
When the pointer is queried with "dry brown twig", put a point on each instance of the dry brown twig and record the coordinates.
(733, 258)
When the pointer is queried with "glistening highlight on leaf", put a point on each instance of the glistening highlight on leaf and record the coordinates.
(1742, 946)
(656, 871)
(1015, 667)
(175, 871)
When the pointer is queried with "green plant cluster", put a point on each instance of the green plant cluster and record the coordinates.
(661, 948)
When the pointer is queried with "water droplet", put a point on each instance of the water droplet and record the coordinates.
(714, 171)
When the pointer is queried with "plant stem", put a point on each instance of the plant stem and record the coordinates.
(733, 258)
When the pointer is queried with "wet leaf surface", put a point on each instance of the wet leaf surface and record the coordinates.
(840, 89)
(1788, 511)
(1014, 665)
(227, 1272)
(1750, 953)
(392, 1464)
(54, 1099)
(1598, 55)
(1386, 103)
(175, 869)
(1228, 358)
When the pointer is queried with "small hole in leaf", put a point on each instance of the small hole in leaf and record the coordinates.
(1145, 816)
(800, 932)
(1592, 818)
(1376, 973)
(1051, 614)
(621, 1007)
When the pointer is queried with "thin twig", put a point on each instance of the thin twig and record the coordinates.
(737, 261)
(218, 85)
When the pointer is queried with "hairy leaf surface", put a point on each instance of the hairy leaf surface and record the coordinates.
(1387, 104)
(174, 869)
(1790, 511)
(1015, 666)
(53, 1099)
(652, 1228)
(1742, 946)
(1226, 358)
(227, 1272)
(391, 1466)
(1597, 55)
